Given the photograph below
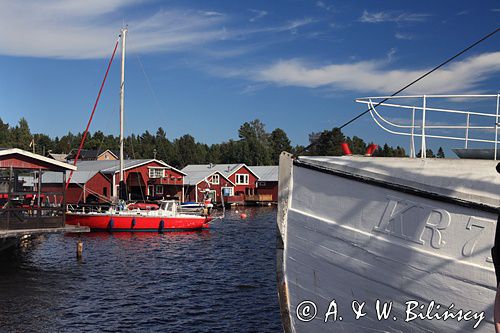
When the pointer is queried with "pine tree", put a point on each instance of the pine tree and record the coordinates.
(440, 153)
(279, 142)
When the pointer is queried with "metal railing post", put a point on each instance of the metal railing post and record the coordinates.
(467, 130)
(496, 129)
(423, 154)
(412, 139)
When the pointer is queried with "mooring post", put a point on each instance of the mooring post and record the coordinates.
(79, 249)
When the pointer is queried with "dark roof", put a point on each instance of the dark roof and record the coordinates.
(90, 154)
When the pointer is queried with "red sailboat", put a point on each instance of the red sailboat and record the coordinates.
(169, 215)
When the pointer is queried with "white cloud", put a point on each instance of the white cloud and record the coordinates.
(322, 4)
(211, 13)
(258, 14)
(293, 26)
(392, 16)
(373, 76)
(86, 29)
(403, 36)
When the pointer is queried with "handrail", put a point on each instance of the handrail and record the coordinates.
(419, 128)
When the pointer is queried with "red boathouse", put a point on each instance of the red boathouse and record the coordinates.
(241, 180)
(97, 181)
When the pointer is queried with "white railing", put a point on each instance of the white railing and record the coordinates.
(424, 129)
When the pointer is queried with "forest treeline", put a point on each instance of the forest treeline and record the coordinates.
(255, 145)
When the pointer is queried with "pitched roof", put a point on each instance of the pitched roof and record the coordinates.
(91, 154)
(87, 169)
(58, 157)
(268, 173)
(12, 151)
(225, 169)
(79, 177)
(195, 177)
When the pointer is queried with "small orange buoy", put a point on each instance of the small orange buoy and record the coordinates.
(243, 215)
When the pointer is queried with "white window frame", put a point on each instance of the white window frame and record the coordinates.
(215, 179)
(153, 172)
(246, 179)
(160, 192)
(231, 190)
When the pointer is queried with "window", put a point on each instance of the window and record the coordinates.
(105, 191)
(156, 172)
(151, 190)
(227, 191)
(215, 179)
(241, 179)
(159, 189)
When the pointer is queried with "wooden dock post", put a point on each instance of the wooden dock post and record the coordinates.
(79, 250)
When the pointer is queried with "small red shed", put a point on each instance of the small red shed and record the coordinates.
(25, 202)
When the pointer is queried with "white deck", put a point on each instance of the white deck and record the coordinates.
(471, 180)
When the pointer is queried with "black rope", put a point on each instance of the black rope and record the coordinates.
(414, 81)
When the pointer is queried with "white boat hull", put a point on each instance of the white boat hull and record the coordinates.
(347, 242)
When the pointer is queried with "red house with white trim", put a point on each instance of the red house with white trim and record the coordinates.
(199, 184)
(97, 181)
(241, 180)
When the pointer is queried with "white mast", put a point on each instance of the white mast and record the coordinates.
(122, 86)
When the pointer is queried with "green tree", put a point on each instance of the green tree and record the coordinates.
(279, 142)
(440, 153)
(253, 147)
(357, 145)
(21, 135)
(428, 152)
(5, 141)
(43, 143)
(188, 151)
(327, 142)
(164, 148)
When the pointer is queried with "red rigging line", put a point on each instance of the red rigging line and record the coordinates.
(92, 114)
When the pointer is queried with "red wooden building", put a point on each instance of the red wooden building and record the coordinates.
(238, 180)
(28, 207)
(267, 185)
(97, 181)
(198, 184)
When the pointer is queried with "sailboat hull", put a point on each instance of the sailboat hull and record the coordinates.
(111, 222)
(351, 247)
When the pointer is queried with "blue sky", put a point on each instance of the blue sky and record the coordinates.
(205, 67)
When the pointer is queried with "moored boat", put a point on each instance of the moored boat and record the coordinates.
(166, 218)
(388, 244)
(137, 216)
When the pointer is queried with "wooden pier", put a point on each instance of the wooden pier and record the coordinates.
(26, 208)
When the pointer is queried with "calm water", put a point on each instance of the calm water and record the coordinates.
(221, 280)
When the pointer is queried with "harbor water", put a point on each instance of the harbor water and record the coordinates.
(218, 280)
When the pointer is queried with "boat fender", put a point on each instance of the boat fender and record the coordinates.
(132, 225)
(371, 149)
(345, 149)
(161, 226)
(110, 224)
